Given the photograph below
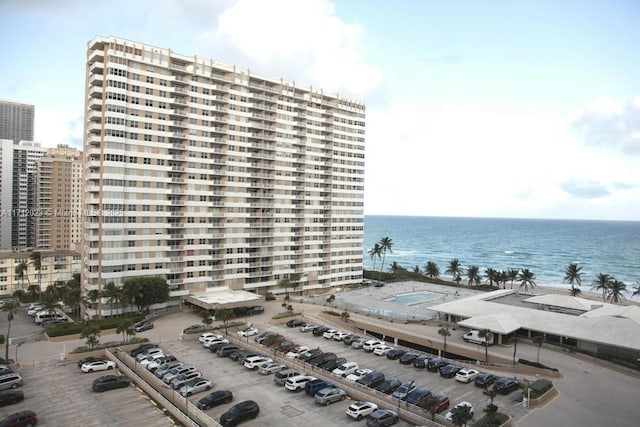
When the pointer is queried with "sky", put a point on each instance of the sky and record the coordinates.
(526, 109)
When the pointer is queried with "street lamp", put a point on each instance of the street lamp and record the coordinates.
(18, 345)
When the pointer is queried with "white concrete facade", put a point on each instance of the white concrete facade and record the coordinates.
(210, 176)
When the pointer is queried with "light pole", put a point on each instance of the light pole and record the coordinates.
(18, 345)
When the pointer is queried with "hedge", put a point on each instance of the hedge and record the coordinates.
(536, 365)
(70, 328)
(539, 387)
(285, 315)
(495, 421)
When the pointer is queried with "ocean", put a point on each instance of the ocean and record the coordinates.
(544, 246)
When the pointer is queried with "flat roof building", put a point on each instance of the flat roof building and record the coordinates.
(16, 121)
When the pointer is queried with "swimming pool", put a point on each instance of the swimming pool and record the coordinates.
(415, 298)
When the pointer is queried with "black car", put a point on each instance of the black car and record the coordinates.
(294, 323)
(20, 419)
(395, 353)
(372, 379)
(382, 418)
(435, 364)
(407, 358)
(484, 379)
(389, 386)
(417, 396)
(9, 397)
(141, 348)
(323, 358)
(506, 385)
(256, 309)
(214, 399)
(310, 354)
(318, 331)
(227, 350)
(240, 412)
(87, 360)
(144, 326)
(420, 362)
(213, 348)
(333, 364)
(110, 382)
(238, 355)
(449, 371)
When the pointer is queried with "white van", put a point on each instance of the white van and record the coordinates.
(42, 315)
(476, 337)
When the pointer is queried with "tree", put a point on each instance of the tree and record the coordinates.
(602, 284)
(294, 280)
(72, 297)
(290, 308)
(502, 277)
(473, 275)
(91, 332)
(10, 308)
(490, 274)
(224, 315)
(49, 303)
(444, 332)
(431, 269)
(430, 404)
(396, 268)
(331, 299)
(126, 328)
(486, 334)
(462, 416)
(525, 277)
(514, 341)
(375, 253)
(36, 261)
(286, 284)
(21, 272)
(512, 274)
(205, 315)
(538, 340)
(345, 316)
(491, 410)
(416, 269)
(573, 276)
(454, 270)
(615, 291)
(112, 294)
(143, 292)
(386, 244)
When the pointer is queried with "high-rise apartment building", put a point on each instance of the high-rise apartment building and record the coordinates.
(16, 121)
(59, 195)
(213, 177)
(18, 199)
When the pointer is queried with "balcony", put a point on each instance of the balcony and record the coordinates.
(180, 80)
(95, 104)
(179, 135)
(178, 112)
(179, 91)
(96, 80)
(178, 124)
(176, 179)
(95, 116)
(178, 101)
(177, 168)
(178, 146)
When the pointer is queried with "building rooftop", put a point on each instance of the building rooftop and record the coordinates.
(223, 297)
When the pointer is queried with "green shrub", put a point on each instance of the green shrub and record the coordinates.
(109, 345)
(287, 314)
(269, 297)
(536, 364)
(70, 328)
(539, 387)
(332, 313)
(491, 421)
(1, 339)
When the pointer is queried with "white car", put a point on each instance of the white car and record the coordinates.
(371, 345)
(214, 341)
(359, 410)
(345, 369)
(151, 358)
(195, 386)
(293, 354)
(466, 375)
(338, 336)
(357, 374)
(255, 361)
(209, 335)
(32, 311)
(98, 365)
(269, 368)
(382, 350)
(330, 333)
(307, 328)
(148, 352)
(449, 415)
(247, 332)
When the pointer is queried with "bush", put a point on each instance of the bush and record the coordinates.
(1, 339)
(69, 328)
(332, 313)
(109, 345)
(540, 387)
(269, 297)
(536, 364)
(287, 314)
(495, 421)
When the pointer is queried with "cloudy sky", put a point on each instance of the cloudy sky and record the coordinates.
(496, 109)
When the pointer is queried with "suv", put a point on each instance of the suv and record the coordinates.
(417, 396)
(484, 379)
(359, 410)
(382, 418)
(240, 412)
(22, 418)
(505, 385)
(256, 309)
(182, 379)
(169, 376)
(298, 382)
(281, 377)
(110, 382)
(329, 395)
(372, 379)
(435, 364)
(314, 386)
(11, 380)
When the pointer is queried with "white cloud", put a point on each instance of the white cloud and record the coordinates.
(54, 127)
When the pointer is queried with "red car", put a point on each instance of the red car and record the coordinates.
(443, 402)
(20, 419)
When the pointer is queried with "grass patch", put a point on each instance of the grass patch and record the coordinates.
(536, 364)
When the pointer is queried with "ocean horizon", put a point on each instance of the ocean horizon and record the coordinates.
(544, 246)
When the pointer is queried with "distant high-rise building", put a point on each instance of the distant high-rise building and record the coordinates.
(16, 121)
(212, 177)
(59, 198)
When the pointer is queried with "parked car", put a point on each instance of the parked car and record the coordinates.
(213, 348)
(9, 397)
(382, 418)
(256, 309)
(466, 375)
(382, 350)
(295, 323)
(329, 395)
(144, 326)
(20, 419)
(281, 377)
(248, 332)
(214, 399)
(435, 363)
(505, 385)
(329, 333)
(350, 339)
(404, 390)
(310, 354)
(360, 409)
(319, 330)
(407, 358)
(226, 350)
(253, 362)
(357, 374)
(307, 327)
(10, 380)
(209, 335)
(87, 360)
(294, 353)
(339, 336)
(148, 352)
(449, 371)
(159, 361)
(242, 411)
(417, 396)
(345, 369)
(238, 355)
(298, 382)
(484, 379)
(183, 379)
(263, 336)
(323, 358)
(98, 365)
(141, 348)
(110, 382)
(314, 386)
(195, 386)
(330, 365)
(271, 368)
(152, 358)
(370, 345)
(449, 415)
(166, 367)
(358, 343)
(213, 341)
(420, 362)
(193, 329)
(442, 402)
(389, 386)
(395, 353)
(372, 379)
(173, 373)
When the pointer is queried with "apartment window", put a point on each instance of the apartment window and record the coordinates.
(131, 243)
(144, 267)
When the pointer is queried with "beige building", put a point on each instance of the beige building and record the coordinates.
(213, 177)
(59, 183)
(55, 266)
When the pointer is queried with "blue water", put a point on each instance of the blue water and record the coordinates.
(544, 246)
(415, 298)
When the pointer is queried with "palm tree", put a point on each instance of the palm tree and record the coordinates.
(72, 297)
(430, 404)
(486, 334)
(205, 315)
(473, 275)
(432, 270)
(21, 270)
(330, 299)
(396, 268)
(490, 274)
(126, 328)
(602, 284)
(36, 260)
(502, 277)
(637, 289)
(49, 303)
(444, 332)
(525, 277)
(224, 315)
(416, 269)
(294, 280)
(462, 416)
(375, 253)
(94, 296)
(10, 308)
(514, 341)
(573, 275)
(615, 291)
(386, 244)
(538, 340)
(111, 293)
(512, 275)
(454, 270)
(91, 332)
(285, 283)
